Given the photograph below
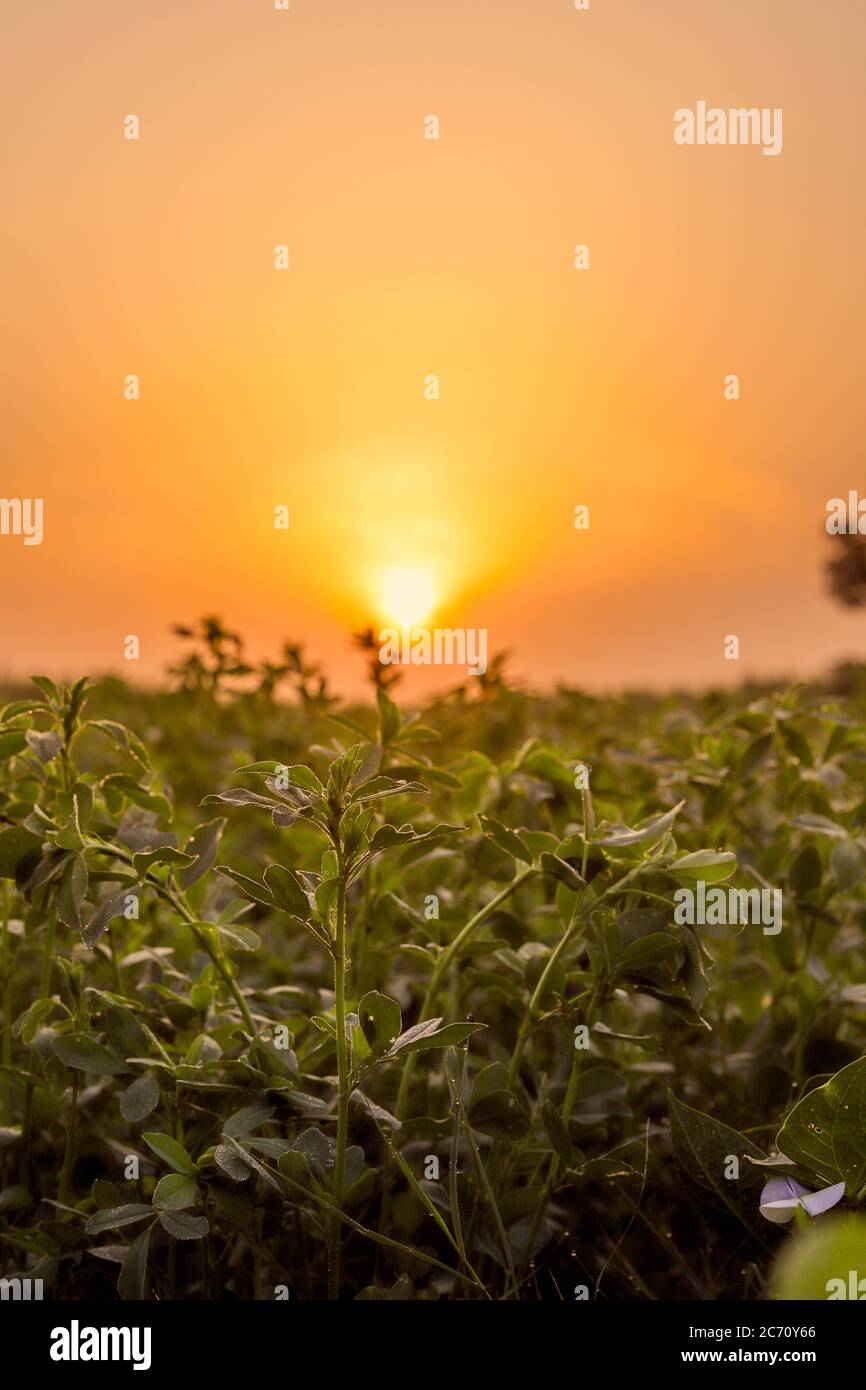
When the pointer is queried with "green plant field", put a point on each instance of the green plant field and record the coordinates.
(313, 1003)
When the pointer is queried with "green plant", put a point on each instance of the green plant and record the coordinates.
(421, 1017)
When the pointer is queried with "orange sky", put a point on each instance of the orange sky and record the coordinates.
(411, 257)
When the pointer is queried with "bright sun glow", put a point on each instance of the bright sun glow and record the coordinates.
(407, 595)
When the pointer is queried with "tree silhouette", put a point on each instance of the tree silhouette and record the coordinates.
(381, 676)
(217, 654)
(846, 570)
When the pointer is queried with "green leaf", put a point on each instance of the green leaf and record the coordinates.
(557, 1134)
(500, 1113)
(115, 1217)
(387, 836)
(171, 1152)
(298, 776)
(231, 1162)
(709, 865)
(49, 689)
(361, 1049)
(71, 894)
(847, 861)
(820, 825)
(755, 753)
(246, 1120)
(251, 886)
(805, 871)
(425, 1035)
(174, 1192)
(241, 938)
(704, 1147)
(427, 837)
(646, 953)
(560, 869)
(28, 1025)
(493, 1077)
(11, 742)
(288, 890)
(377, 1111)
(70, 837)
(183, 1225)
(122, 784)
(124, 738)
(16, 844)
(125, 1033)
(505, 839)
(114, 906)
(15, 1198)
(600, 1093)
(379, 788)
(166, 854)
(202, 845)
(83, 1053)
(826, 1130)
(132, 1282)
(796, 744)
(539, 841)
(381, 1020)
(389, 717)
(242, 796)
(79, 694)
(647, 832)
(19, 707)
(139, 1099)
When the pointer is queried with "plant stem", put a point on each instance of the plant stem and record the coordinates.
(48, 954)
(441, 968)
(342, 1084)
(538, 994)
(306, 1196)
(6, 970)
(422, 1196)
(457, 1084)
(488, 1192)
(803, 1008)
(115, 969)
(69, 1151)
(228, 980)
(6, 1046)
(360, 932)
(553, 1169)
(182, 908)
(44, 993)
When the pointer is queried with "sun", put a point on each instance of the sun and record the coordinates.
(407, 594)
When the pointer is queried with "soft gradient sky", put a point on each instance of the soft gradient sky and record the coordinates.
(411, 257)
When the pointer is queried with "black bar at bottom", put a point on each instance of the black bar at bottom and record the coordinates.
(66, 1339)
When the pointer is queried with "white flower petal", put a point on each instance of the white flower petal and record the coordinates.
(817, 1202)
(780, 1212)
